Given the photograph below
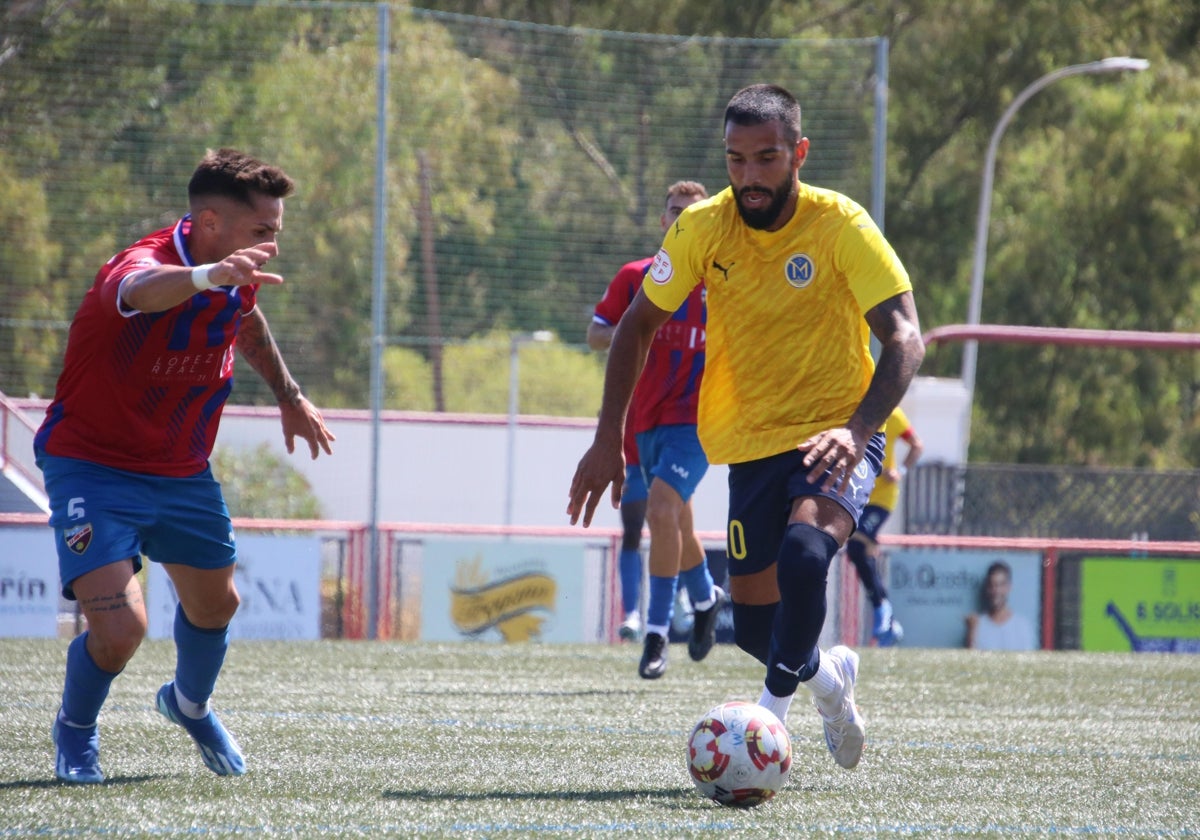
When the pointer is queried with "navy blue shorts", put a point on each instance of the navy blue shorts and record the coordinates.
(634, 489)
(673, 454)
(760, 502)
(102, 515)
(872, 520)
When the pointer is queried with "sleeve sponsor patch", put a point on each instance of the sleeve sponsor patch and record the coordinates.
(661, 269)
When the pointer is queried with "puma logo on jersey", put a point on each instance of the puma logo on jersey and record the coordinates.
(723, 269)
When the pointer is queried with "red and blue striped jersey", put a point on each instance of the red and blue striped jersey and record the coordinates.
(668, 392)
(139, 391)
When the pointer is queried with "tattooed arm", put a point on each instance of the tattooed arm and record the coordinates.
(299, 416)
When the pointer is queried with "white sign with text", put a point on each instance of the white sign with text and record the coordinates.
(28, 583)
(279, 580)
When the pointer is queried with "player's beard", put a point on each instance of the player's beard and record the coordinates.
(763, 218)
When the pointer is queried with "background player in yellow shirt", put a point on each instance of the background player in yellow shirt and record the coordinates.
(798, 278)
(863, 547)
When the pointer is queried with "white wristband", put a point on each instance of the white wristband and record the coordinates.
(200, 278)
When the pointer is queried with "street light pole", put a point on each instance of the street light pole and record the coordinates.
(975, 304)
(514, 381)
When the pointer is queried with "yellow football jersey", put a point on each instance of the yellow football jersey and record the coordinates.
(887, 493)
(788, 351)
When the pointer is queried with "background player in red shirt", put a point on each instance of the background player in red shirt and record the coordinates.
(125, 445)
(662, 417)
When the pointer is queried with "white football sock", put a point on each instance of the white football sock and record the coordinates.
(196, 711)
(778, 705)
(826, 686)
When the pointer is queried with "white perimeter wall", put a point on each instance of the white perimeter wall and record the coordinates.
(453, 468)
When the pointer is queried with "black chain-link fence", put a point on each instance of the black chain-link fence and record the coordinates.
(1052, 502)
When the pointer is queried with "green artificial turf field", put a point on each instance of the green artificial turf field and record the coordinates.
(365, 739)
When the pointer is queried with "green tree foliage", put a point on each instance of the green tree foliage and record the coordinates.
(478, 377)
(1092, 222)
(257, 483)
(105, 108)
(27, 251)
(1088, 218)
(553, 378)
(1087, 239)
(408, 380)
(327, 250)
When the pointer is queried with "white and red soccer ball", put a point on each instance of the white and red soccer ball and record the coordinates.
(739, 754)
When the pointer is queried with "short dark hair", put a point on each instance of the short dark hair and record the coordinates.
(690, 189)
(998, 566)
(758, 104)
(230, 173)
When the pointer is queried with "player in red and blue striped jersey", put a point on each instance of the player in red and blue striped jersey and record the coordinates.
(125, 445)
(662, 416)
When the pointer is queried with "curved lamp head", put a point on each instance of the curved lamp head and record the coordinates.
(1121, 62)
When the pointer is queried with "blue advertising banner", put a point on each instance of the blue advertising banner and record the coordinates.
(934, 590)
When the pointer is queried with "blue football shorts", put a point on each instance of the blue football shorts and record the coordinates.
(102, 515)
(760, 502)
(673, 454)
(634, 489)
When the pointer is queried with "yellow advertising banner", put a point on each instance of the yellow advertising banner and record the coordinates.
(510, 591)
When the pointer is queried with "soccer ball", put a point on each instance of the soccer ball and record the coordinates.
(739, 754)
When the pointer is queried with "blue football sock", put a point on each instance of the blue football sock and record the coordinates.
(631, 579)
(86, 685)
(662, 601)
(698, 583)
(199, 655)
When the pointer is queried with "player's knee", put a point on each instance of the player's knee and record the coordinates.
(215, 610)
(804, 557)
(662, 515)
(224, 608)
(752, 627)
(113, 640)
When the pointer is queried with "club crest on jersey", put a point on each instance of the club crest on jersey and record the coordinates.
(799, 270)
(78, 538)
(661, 269)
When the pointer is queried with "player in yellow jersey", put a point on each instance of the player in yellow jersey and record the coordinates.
(797, 278)
(863, 547)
